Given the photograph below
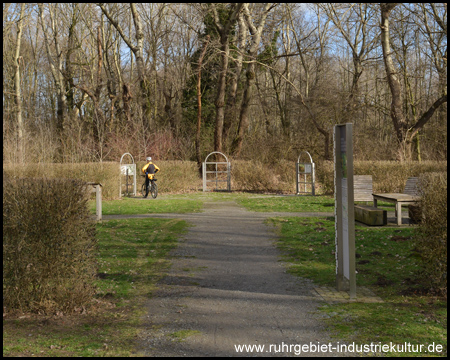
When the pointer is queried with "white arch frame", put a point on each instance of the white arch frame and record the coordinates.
(216, 171)
(309, 169)
(124, 170)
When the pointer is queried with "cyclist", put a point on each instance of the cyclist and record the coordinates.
(149, 170)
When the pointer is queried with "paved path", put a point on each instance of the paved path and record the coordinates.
(226, 288)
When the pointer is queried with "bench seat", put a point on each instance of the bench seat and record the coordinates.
(370, 215)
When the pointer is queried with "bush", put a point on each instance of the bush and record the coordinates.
(388, 176)
(257, 176)
(48, 245)
(432, 239)
(106, 173)
(175, 176)
(246, 175)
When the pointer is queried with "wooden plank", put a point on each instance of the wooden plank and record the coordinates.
(396, 197)
(362, 187)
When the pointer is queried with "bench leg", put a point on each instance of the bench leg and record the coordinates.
(398, 210)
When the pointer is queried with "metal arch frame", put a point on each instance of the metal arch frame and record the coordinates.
(134, 175)
(298, 173)
(228, 171)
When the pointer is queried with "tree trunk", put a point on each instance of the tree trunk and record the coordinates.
(250, 75)
(230, 112)
(405, 134)
(220, 98)
(55, 66)
(17, 92)
(397, 115)
(243, 116)
(199, 102)
(138, 54)
(224, 31)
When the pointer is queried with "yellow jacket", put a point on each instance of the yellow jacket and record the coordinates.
(150, 170)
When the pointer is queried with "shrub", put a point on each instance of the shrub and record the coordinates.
(106, 173)
(261, 177)
(432, 239)
(246, 175)
(388, 176)
(48, 245)
(175, 176)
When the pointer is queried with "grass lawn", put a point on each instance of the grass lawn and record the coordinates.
(387, 264)
(162, 204)
(133, 255)
(292, 203)
(288, 203)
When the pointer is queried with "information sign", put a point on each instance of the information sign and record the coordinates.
(344, 208)
(130, 167)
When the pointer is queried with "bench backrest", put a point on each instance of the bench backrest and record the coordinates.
(411, 186)
(362, 187)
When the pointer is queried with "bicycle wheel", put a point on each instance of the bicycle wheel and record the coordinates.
(154, 190)
(143, 188)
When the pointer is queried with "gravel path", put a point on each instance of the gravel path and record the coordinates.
(226, 288)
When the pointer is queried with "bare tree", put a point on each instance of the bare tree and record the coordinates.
(17, 93)
(256, 32)
(85, 81)
(404, 132)
(137, 49)
(224, 28)
(307, 97)
(231, 108)
(199, 104)
(56, 60)
(353, 22)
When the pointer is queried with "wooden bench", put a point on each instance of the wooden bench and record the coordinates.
(362, 188)
(411, 186)
(362, 191)
(409, 196)
(414, 212)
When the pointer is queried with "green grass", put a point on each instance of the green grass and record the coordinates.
(181, 335)
(163, 204)
(387, 264)
(288, 203)
(133, 255)
(193, 202)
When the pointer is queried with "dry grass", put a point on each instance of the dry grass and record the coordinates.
(183, 176)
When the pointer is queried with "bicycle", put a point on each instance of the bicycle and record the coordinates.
(153, 188)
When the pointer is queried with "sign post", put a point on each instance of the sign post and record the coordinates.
(127, 170)
(305, 176)
(344, 208)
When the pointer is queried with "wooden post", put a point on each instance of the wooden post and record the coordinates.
(97, 187)
(98, 201)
